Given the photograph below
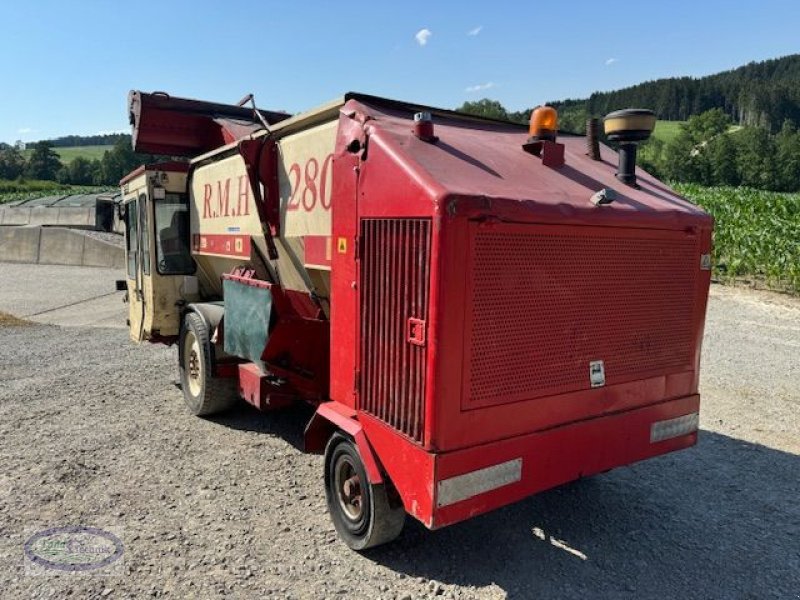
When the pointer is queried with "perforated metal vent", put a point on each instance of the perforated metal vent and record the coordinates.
(547, 301)
(395, 264)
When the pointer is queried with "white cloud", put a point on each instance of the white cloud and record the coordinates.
(480, 87)
(25, 130)
(611, 61)
(422, 36)
(475, 31)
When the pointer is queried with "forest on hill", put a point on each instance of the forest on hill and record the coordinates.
(738, 127)
(759, 94)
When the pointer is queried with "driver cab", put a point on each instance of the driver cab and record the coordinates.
(160, 269)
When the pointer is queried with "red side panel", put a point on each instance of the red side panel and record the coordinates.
(344, 293)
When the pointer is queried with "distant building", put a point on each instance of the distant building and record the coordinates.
(20, 145)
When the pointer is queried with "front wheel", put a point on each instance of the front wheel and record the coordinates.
(362, 512)
(204, 394)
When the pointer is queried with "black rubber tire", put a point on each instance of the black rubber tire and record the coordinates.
(204, 394)
(380, 521)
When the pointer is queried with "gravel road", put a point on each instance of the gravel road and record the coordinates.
(93, 431)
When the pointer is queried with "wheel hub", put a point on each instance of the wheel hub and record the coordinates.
(349, 492)
(193, 364)
(194, 367)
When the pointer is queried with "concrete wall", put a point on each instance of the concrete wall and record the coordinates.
(57, 246)
(20, 244)
(66, 216)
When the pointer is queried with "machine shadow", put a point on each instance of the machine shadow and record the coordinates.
(719, 520)
(286, 423)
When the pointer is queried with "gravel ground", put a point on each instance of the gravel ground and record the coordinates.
(93, 431)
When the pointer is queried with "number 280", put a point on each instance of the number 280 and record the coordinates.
(315, 185)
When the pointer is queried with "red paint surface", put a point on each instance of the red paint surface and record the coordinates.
(566, 453)
(481, 175)
(258, 390)
(236, 245)
(318, 251)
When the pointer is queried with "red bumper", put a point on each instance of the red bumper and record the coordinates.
(553, 457)
(442, 489)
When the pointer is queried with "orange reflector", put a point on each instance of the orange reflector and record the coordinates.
(544, 123)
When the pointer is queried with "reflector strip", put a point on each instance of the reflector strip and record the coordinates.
(672, 428)
(458, 488)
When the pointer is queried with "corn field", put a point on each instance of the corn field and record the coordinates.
(13, 191)
(757, 234)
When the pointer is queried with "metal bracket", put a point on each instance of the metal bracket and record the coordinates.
(416, 331)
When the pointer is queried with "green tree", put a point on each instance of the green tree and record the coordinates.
(96, 170)
(722, 158)
(12, 164)
(705, 126)
(485, 108)
(685, 160)
(756, 158)
(80, 171)
(44, 163)
(118, 161)
(787, 143)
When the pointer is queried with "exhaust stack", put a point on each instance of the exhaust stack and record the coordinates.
(628, 128)
(593, 138)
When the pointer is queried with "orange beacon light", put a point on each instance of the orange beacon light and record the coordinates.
(544, 124)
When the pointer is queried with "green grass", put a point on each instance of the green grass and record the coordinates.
(756, 234)
(11, 191)
(666, 131)
(69, 153)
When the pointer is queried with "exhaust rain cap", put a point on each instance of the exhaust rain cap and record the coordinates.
(628, 128)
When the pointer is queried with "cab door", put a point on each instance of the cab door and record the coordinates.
(138, 260)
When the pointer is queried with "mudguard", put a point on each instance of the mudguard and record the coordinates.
(333, 416)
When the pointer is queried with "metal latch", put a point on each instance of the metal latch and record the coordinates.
(597, 373)
(416, 331)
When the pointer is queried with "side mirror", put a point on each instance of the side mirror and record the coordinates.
(122, 285)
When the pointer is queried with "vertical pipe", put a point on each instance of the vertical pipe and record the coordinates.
(626, 172)
(592, 138)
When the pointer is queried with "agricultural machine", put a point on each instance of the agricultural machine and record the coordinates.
(477, 310)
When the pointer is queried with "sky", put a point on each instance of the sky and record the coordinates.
(66, 67)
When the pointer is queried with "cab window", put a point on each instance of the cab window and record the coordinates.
(132, 236)
(172, 235)
(145, 234)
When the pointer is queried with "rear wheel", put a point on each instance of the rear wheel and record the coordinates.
(362, 512)
(204, 394)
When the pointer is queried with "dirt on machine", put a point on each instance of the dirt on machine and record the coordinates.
(477, 310)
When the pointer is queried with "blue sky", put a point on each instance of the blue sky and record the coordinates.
(66, 67)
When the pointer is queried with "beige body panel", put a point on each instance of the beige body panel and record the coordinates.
(225, 224)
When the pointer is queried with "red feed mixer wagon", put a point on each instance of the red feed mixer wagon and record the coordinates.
(478, 311)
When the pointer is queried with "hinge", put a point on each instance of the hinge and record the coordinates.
(359, 250)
